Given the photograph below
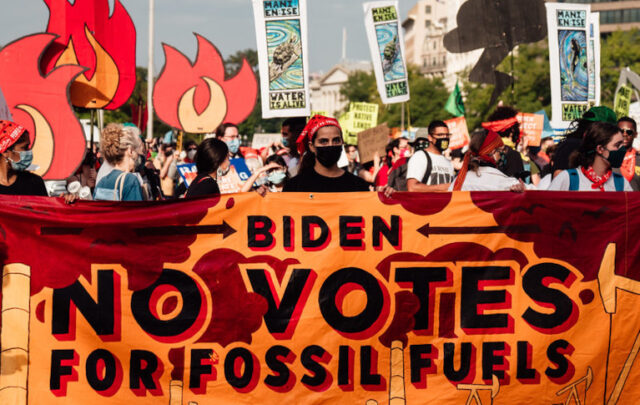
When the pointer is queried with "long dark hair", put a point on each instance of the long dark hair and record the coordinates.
(598, 134)
(210, 155)
(475, 144)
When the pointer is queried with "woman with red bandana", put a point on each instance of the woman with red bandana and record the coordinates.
(321, 145)
(601, 150)
(479, 170)
(16, 158)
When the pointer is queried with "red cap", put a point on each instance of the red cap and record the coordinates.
(10, 132)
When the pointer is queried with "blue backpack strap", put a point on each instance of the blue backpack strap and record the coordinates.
(618, 180)
(574, 180)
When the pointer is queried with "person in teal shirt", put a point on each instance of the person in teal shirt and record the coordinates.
(120, 149)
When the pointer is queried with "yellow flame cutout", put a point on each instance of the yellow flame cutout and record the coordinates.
(100, 90)
(43, 140)
(210, 118)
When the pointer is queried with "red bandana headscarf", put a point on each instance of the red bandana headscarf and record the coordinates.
(315, 123)
(491, 142)
(499, 126)
(10, 132)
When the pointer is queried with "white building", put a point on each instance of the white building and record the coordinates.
(424, 29)
(325, 89)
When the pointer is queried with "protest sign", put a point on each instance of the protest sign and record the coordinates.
(622, 101)
(531, 127)
(373, 140)
(281, 34)
(198, 97)
(574, 61)
(386, 43)
(41, 104)
(188, 172)
(263, 140)
(459, 132)
(349, 135)
(365, 115)
(345, 298)
(101, 40)
(233, 181)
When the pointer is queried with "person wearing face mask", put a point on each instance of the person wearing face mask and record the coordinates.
(275, 173)
(601, 150)
(120, 149)
(212, 161)
(428, 170)
(229, 134)
(630, 168)
(503, 121)
(480, 171)
(190, 148)
(16, 158)
(320, 145)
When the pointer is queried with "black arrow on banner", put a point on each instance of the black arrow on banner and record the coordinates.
(428, 230)
(225, 230)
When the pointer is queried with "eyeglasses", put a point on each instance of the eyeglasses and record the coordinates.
(448, 135)
(628, 132)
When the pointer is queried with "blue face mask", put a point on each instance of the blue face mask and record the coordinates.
(26, 157)
(276, 178)
(285, 142)
(233, 145)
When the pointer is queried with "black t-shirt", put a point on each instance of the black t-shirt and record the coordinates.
(513, 165)
(309, 181)
(26, 184)
(203, 185)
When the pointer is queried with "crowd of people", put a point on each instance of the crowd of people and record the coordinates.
(596, 154)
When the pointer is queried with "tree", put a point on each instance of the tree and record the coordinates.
(621, 49)
(359, 87)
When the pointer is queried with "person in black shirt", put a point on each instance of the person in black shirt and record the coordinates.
(212, 160)
(321, 143)
(503, 121)
(16, 158)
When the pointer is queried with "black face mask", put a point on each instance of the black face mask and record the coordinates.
(441, 144)
(328, 156)
(421, 144)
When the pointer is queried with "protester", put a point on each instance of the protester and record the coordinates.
(393, 172)
(291, 129)
(428, 170)
(601, 150)
(229, 134)
(165, 163)
(630, 168)
(120, 149)
(504, 123)
(275, 173)
(479, 170)
(16, 158)
(212, 161)
(321, 145)
(190, 149)
(547, 172)
(575, 135)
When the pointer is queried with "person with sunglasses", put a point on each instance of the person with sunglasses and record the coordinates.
(428, 170)
(630, 168)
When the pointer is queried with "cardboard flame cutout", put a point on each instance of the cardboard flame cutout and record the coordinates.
(41, 104)
(105, 44)
(196, 98)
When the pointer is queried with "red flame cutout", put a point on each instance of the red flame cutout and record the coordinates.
(196, 97)
(41, 104)
(111, 77)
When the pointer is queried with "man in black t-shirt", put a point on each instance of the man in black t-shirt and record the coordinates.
(321, 143)
(16, 157)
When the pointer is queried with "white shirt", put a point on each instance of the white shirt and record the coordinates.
(441, 168)
(104, 170)
(545, 182)
(562, 183)
(489, 179)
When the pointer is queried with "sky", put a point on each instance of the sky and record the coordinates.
(228, 24)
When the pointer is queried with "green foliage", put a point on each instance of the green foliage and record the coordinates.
(620, 49)
(428, 97)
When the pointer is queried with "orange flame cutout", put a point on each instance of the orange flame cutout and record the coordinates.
(105, 45)
(196, 98)
(41, 104)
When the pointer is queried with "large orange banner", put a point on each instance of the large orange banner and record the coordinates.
(463, 298)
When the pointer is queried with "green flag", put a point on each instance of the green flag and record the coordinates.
(455, 105)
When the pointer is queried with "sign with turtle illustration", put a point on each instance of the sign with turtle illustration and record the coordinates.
(574, 59)
(281, 33)
(387, 50)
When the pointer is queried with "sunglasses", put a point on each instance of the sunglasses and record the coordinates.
(628, 132)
